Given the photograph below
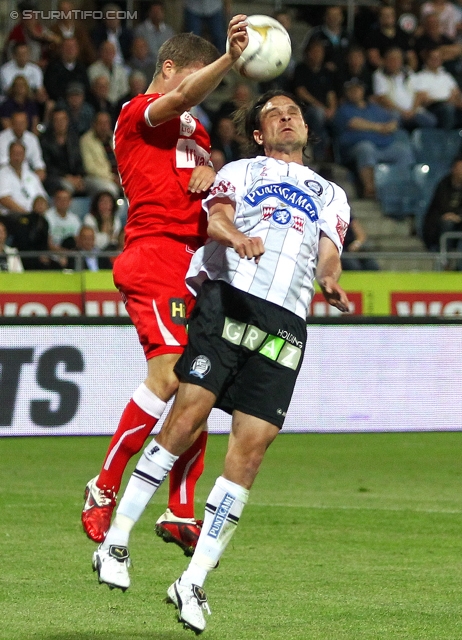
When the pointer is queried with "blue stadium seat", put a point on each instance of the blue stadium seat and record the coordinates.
(425, 178)
(395, 190)
(80, 206)
(436, 145)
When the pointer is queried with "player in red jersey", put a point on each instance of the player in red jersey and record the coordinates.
(163, 156)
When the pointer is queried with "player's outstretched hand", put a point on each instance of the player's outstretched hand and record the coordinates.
(238, 38)
(202, 178)
(334, 294)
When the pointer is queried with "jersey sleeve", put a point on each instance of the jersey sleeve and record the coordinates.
(226, 184)
(334, 218)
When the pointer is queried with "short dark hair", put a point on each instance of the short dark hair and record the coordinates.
(185, 49)
(247, 119)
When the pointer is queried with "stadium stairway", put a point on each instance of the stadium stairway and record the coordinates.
(384, 233)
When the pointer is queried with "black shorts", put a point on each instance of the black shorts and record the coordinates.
(246, 350)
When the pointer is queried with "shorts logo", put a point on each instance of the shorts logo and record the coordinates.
(200, 367)
(177, 310)
(286, 350)
(314, 186)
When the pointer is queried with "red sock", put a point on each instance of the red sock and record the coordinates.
(183, 478)
(134, 428)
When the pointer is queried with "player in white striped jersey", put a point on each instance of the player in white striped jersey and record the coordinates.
(273, 225)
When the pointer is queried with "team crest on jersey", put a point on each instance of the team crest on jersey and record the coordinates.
(282, 218)
(187, 124)
(278, 217)
(314, 186)
(342, 228)
(287, 194)
(200, 367)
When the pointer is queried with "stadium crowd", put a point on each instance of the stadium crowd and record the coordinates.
(62, 86)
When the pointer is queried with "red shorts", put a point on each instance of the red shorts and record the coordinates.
(150, 275)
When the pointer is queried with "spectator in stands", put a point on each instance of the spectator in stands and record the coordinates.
(61, 152)
(356, 67)
(9, 259)
(60, 73)
(99, 97)
(433, 38)
(30, 31)
(104, 220)
(355, 241)
(154, 31)
(334, 37)
(224, 138)
(115, 72)
(80, 112)
(19, 99)
(18, 132)
(314, 85)
(141, 59)
(63, 224)
(217, 158)
(137, 84)
(242, 96)
(30, 233)
(386, 34)
(445, 211)
(366, 136)
(394, 89)
(440, 92)
(210, 16)
(449, 16)
(67, 27)
(19, 185)
(113, 30)
(98, 157)
(20, 65)
(91, 261)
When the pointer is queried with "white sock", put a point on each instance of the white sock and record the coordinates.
(148, 475)
(222, 512)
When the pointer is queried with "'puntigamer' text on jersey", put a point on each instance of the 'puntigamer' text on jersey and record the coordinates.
(155, 166)
(287, 206)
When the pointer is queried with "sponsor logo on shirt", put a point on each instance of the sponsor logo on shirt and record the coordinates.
(189, 154)
(223, 187)
(288, 194)
(187, 124)
(341, 228)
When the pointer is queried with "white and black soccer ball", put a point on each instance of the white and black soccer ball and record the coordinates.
(268, 52)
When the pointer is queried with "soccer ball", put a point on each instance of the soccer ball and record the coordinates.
(268, 52)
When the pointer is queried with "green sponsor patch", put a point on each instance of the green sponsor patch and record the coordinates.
(290, 356)
(272, 347)
(233, 331)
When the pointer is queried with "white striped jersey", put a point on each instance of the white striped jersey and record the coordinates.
(287, 205)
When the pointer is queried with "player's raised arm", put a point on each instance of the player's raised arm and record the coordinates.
(188, 86)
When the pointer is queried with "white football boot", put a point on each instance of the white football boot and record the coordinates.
(112, 566)
(191, 602)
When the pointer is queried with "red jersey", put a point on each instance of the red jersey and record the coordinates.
(155, 166)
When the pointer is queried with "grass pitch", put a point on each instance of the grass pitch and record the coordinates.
(345, 537)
